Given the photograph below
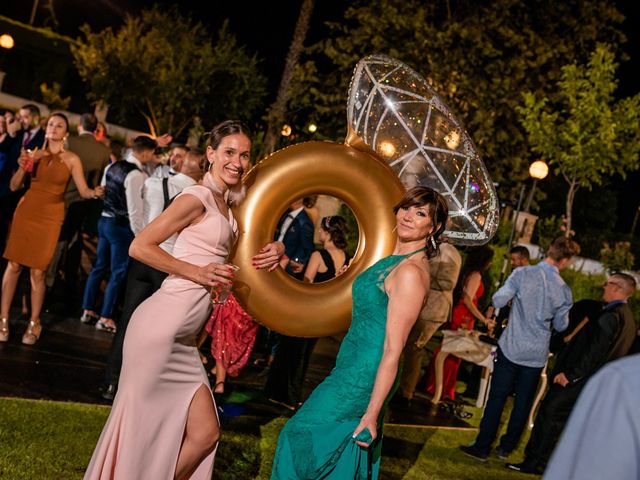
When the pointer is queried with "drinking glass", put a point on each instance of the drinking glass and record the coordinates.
(220, 293)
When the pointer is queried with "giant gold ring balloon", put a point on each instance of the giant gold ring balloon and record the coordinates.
(367, 185)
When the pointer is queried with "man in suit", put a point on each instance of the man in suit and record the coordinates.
(24, 132)
(592, 344)
(94, 156)
(291, 354)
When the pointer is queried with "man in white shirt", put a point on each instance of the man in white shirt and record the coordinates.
(121, 220)
(143, 280)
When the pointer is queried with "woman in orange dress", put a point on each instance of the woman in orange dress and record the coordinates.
(37, 221)
(468, 291)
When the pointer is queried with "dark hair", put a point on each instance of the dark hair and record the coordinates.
(34, 109)
(563, 247)
(477, 260)
(310, 201)
(336, 227)
(116, 147)
(226, 128)
(89, 122)
(520, 250)
(419, 197)
(142, 143)
(62, 116)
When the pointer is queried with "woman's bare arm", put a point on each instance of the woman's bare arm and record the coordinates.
(407, 292)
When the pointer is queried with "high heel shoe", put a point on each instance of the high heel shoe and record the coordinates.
(32, 334)
(4, 329)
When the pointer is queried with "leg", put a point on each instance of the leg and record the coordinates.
(221, 376)
(420, 334)
(525, 389)
(9, 284)
(38, 289)
(142, 282)
(201, 434)
(119, 238)
(552, 416)
(99, 270)
(502, 382)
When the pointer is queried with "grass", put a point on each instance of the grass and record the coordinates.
(54, 440)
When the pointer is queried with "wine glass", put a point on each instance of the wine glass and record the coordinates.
(219, 294)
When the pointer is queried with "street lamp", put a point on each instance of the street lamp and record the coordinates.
(6, 41)
(537, 170)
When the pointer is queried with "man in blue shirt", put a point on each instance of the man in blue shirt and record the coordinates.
(540, 300)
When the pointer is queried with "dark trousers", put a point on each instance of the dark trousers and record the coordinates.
(289, 367)
(112, 254)
(8, 204)
(142, 282)
(552, 416)
(507, 377)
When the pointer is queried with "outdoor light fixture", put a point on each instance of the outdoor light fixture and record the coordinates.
(313, 127)
(537, 170)
(286, 130)
(6, 41)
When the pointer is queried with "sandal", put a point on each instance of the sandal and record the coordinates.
(32, 334)
(4, 329)
(216, 386)
(105, 327)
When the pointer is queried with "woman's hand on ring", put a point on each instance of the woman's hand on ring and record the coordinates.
(269, 256)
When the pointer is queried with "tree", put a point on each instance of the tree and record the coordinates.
(478, 54)
(165, 67)
(278, 109)
(585, 133)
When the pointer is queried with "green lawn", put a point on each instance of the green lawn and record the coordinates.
(54, 440)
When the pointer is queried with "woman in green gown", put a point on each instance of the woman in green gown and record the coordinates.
(337, 432)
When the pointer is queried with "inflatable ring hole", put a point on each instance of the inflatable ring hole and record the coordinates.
(330, 216)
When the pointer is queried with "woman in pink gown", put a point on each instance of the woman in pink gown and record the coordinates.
(163, 424)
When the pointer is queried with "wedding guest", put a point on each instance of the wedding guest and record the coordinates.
(593, 344)
(540, 300)
(122, 219)
(466, 295)
(163, 423)
(336, 434)
(144, 280)
(36, 224)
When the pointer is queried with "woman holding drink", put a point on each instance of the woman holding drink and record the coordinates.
(163, 423)
(38, 219)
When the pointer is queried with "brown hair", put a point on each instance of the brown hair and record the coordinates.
(336, 227)
(226, 128)
(419, 197)
(563, 247)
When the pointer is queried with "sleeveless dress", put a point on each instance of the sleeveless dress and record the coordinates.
(316, 442)
(161, 368)
(38, 218)
(461, 318)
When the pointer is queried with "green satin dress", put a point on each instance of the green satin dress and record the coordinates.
(317, 443)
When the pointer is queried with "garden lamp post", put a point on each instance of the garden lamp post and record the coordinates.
(537, 170)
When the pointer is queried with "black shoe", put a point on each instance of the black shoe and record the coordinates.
(399, 402)
(108, 392)
(472, 452)
(525, 467)
(501, 453)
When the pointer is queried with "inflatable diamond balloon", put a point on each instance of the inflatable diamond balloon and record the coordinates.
(401, 117)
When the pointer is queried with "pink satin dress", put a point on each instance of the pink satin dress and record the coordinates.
(161, 368)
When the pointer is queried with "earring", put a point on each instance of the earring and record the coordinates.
(394, 228)
(210, 166)
(433, 242)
